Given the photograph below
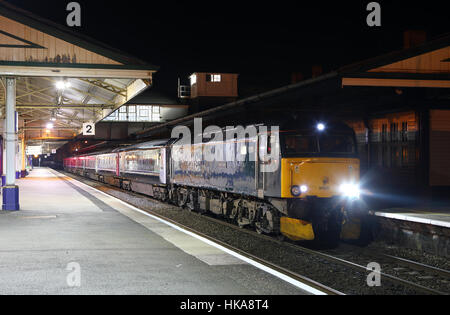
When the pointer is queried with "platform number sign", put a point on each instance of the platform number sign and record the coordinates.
(89, 129)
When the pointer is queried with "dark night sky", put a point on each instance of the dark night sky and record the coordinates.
(263, 41)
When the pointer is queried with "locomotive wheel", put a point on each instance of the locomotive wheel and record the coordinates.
(182, 200)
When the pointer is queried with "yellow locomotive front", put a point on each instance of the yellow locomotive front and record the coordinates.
(320, 178)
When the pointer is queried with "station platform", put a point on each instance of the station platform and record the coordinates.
(421, 228)
(67, 230)
(439, 217)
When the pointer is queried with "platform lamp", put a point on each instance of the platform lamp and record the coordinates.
(54, 116)
(62, 84)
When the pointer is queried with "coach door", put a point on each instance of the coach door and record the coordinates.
(163, 166)
(262, 151)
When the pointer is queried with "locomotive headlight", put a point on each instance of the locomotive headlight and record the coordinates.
(296, 191)
(351, 191)
(321, 127)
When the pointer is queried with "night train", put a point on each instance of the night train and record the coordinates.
(309, 195)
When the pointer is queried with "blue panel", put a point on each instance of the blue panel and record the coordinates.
(235, 177)
(11, 198)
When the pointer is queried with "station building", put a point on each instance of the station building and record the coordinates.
(54, 82)
(406, 142)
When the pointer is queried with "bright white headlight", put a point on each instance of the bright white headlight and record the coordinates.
(351, 191)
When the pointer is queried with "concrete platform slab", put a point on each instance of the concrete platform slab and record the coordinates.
(64, 223)
(439, 217)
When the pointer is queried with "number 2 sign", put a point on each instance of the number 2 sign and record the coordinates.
(89, 129)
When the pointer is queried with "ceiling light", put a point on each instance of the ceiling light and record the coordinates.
(61, 85)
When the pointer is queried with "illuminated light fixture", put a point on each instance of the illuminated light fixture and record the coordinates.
(321, 127)
(304, 189)
(50, 126)
(351, 191)
(54, 116)
(193, 79)
(62, 85)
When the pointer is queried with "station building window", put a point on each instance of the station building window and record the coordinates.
(213, 78)
(394, 132)
(136, 113)
(404, 132)
(384, 131)
(123, 114)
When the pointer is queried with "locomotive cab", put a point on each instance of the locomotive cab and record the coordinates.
(322, 164)
(320, 174)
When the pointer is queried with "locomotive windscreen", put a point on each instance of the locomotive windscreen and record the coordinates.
(319, 144)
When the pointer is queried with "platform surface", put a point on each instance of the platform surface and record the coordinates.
(63, 223)
(436, 216)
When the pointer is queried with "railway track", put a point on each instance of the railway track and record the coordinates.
(383, 259)
(351, 261)
(314, 284)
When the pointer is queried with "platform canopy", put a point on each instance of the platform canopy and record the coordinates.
(62, 77)
(423, 66)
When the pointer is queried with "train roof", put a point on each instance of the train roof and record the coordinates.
(145, 145)
(307, 124)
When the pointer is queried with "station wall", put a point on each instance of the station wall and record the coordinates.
(390, 150)
(440, 148)
(394, 154)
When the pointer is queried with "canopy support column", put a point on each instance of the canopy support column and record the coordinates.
(23, 172)
(11, 191)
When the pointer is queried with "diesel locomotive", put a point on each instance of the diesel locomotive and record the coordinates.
(300, 182)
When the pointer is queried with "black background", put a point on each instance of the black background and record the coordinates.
(263, 41)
